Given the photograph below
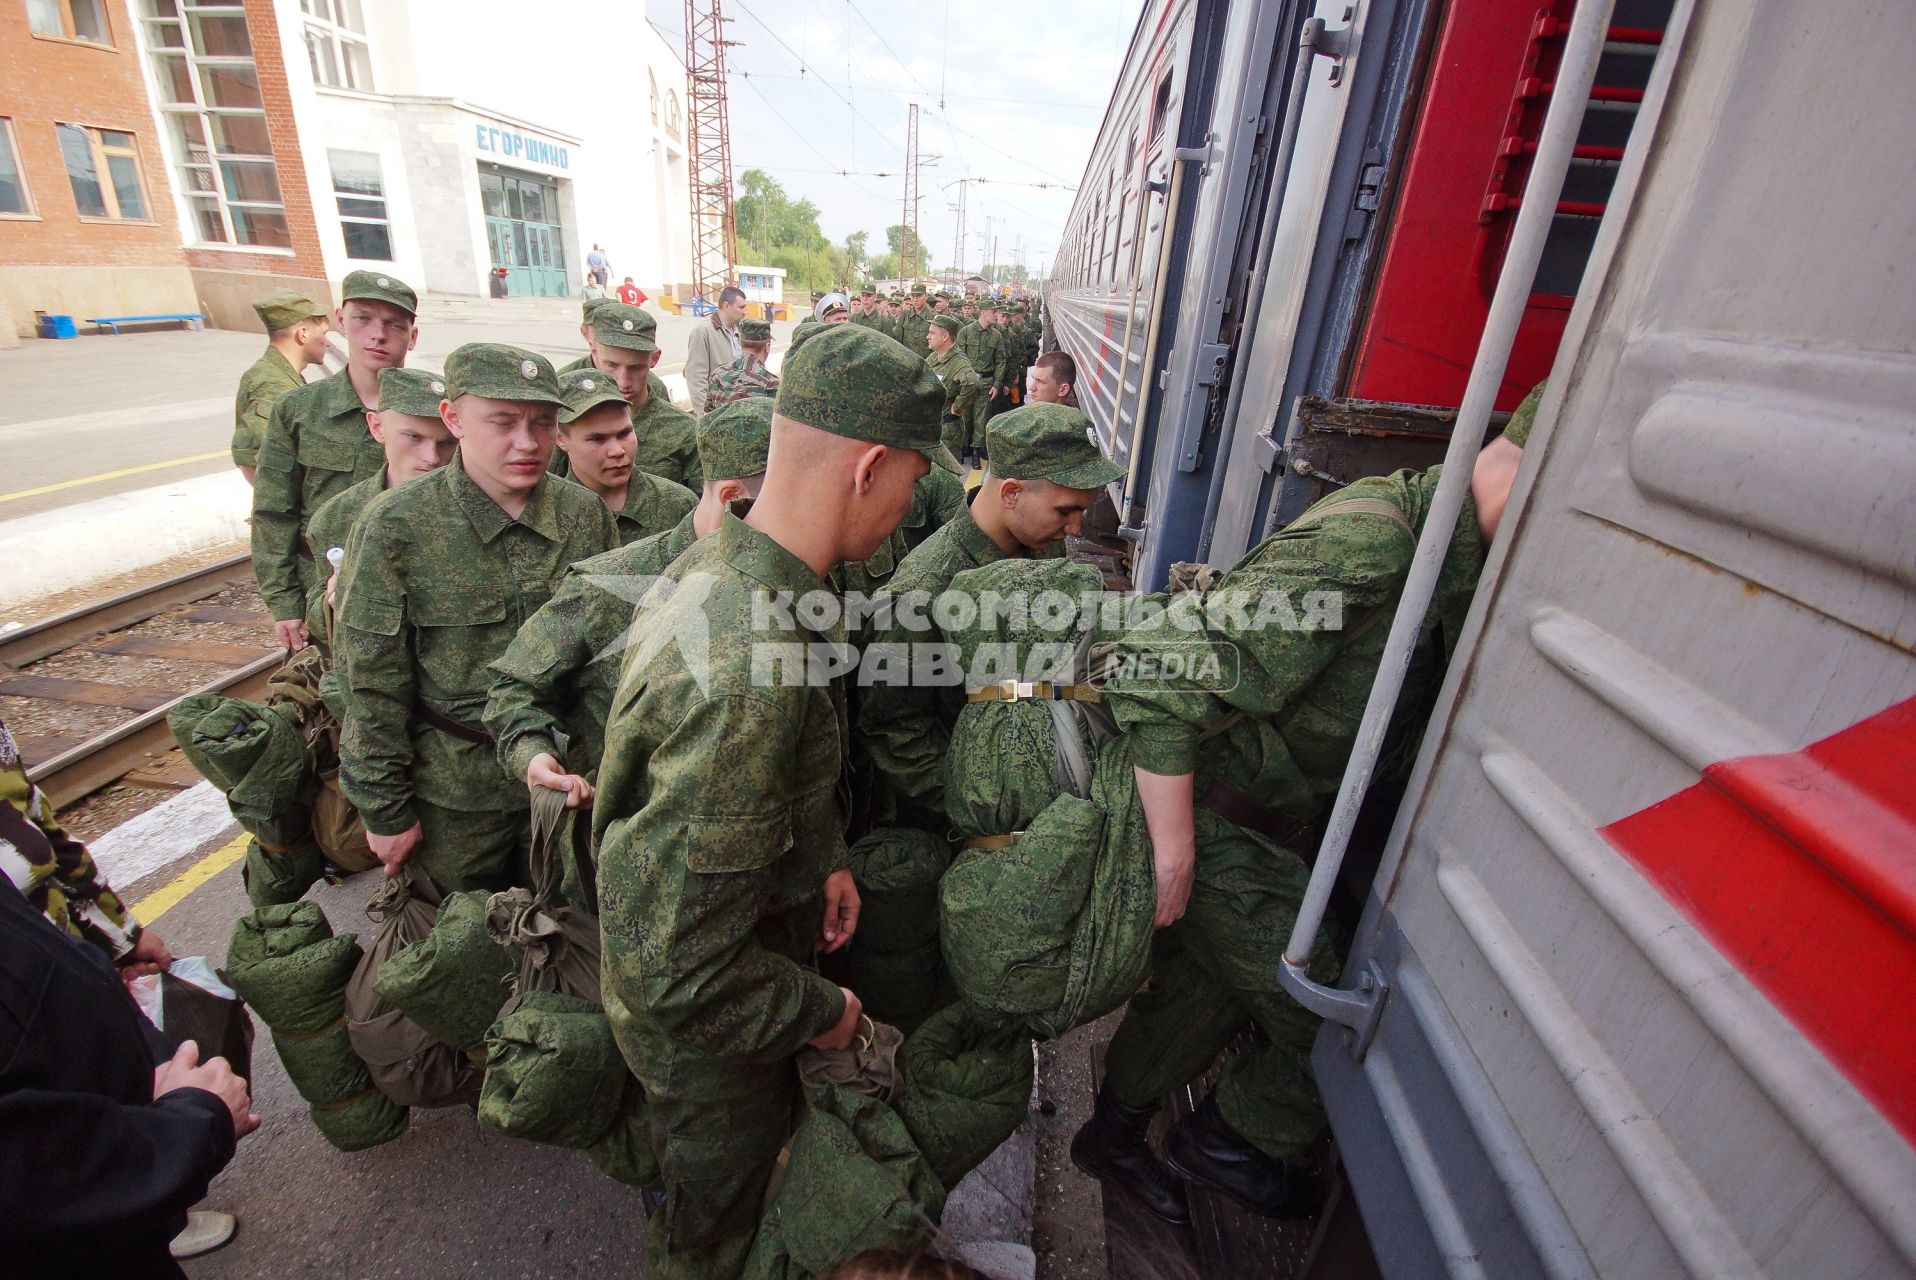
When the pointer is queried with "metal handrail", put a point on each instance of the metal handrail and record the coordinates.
(1360, 1008)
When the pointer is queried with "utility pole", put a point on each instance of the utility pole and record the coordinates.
(908, 248)
(958, 241)
(708, 146)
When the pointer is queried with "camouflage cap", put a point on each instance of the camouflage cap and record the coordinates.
(282, 309)
(615, 324)
(734, 440)
(1517, 430)
(590, 307)
(806, 328)
(414, 391)
(949, 323)
(585, 390)
(989, 303)
(500, 372)
(755, 330)
(374, 287)
(1048, 442)
(856, 382)
(918, 290)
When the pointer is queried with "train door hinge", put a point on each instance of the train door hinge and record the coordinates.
(1370, 186)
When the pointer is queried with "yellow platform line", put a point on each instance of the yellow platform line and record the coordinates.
(113, 475)
(164, 899)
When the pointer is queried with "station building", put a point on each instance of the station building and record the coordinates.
(170, 156)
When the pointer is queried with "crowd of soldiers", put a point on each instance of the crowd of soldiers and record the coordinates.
(478, 554)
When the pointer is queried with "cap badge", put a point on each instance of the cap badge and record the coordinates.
(585, 384)
(528, 370)
(438, 387)
(383, 282)
(627, 325)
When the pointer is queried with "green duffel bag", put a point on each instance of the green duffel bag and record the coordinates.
(278, 874)
(553, 1072)
(897, 870)
(255, 755)
(967, 1088)
(901, 989)
(454, 980)
(364, 1120)
(854, 1181)
(289, 968)
(322, 1065)
(405, 1062)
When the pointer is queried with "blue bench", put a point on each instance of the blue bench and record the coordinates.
(193, 318)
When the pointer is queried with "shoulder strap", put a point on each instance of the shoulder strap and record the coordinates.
(1354, 507)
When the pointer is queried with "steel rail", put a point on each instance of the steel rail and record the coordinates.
(76, 626)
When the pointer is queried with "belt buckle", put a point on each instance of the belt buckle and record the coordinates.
(1022, 689)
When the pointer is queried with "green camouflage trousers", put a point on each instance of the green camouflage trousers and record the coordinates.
(473, 849)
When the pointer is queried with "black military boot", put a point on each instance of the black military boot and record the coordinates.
(1111, 1147)
(1204, 1148)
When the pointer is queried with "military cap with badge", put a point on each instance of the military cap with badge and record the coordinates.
(583, 391)
(615, 324)
(495, 371)
(282, 309)
(1048, 442)
(415, 392)
(855, 382)
(371, 286)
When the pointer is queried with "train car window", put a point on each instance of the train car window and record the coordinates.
(1161, 108)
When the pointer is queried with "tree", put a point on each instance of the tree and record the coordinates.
(855, 245)
(783, 232)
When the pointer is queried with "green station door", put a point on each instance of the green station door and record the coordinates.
(524, 232)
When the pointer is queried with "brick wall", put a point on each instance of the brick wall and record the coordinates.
(44, 82)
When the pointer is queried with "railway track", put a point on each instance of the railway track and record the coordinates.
(69, 765)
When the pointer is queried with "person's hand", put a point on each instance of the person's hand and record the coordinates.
(186, 1071)
(392, 851)
(846, 1030)
(1174, 866)
(545, 771)
(149, 955)
(292, 634)
(841, 912)
(332, 583)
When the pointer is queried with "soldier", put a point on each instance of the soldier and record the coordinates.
(1045, 473)
(964, 390)
(748, 375)
(439, 575)
(1053, 379)
(912, 323)
(935, 501)
(595, 432)
(625, 348)
(317, 445)
(415, 441)
(295, 338)
(586, 311)
(722, 858)
(983, 342)
(831, 309)
(558, 675)
(1266, 755)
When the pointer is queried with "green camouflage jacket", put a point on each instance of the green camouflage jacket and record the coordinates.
(965, 397)
(652, 505)
(331, 527)
(746, 376)
(559, 673)
(666, 445)
(988, 351)
(438, 579)
(260, 388)
(936, 500)
(53, 870)
(911, 327)
(1301, 689)
(719, 815)
(316, 446)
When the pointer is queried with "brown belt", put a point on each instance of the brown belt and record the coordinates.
(1232, 805)
(446, 724)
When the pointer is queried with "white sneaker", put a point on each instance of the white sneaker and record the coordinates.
(206, 1230)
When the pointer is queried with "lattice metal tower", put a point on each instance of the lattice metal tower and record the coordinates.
(910, 248)
(958, 240)
(708, 145)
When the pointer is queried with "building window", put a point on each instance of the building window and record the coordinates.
(336, 44)
(103, 166)
(361, 193)
(69, 20)
(652, 83)
(209, 94)
(672, 113)
(13, 183)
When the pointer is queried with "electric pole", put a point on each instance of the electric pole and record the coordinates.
(958, 241)
(708, 146)
(908, 248)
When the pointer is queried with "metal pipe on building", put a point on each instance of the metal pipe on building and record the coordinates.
(1582, 49)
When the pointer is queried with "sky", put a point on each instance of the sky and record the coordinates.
(823, 86)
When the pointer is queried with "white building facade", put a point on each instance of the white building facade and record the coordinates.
(449, 142)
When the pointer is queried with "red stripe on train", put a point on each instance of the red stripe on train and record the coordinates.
(1801, 868)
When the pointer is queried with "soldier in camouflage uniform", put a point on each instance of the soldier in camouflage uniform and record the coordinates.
(720, 822)
(439, 575)
(58, 876)
(983, 343)
(317, 444)
(415, 441)
(295, 338)
(913, 322)
(935, 501)
(1266, 754)
(965, 391)
(595, 432)
(1045, 473)
(748, 375)
(558, 675)
(625, 348)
